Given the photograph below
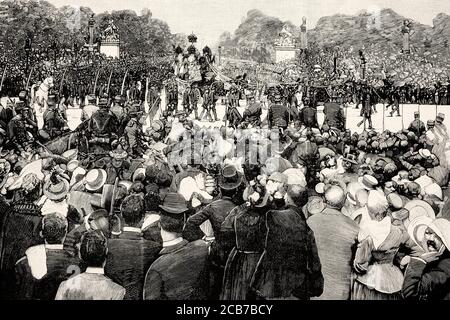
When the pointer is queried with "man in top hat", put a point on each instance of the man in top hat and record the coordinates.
(278, 114)
(181, 272)
(130, 255)
(427, 276)
(44, 267)
(230, 184)
(417, 126)
(252, 114)
(54, 123)
(101, 128)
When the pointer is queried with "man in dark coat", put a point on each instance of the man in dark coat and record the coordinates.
(181, 272)
(417, 126)
(40, 272)
(278, 115)
(20, 230)
(101, 128)
(334, 116)
(18, 128)
(252, 114)
(308, 115)
(130, 255)
(336, 236)
(230, 182)
(366, 111)
(54, 122)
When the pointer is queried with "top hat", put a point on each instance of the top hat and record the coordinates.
(174, 203)
(230, 178)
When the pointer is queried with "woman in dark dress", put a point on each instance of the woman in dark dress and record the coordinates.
(248, 223)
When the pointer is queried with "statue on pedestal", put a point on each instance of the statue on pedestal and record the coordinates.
(286, 38)
(406, 31)
(303, 37)
(110, 33)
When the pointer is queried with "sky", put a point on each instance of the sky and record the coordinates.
(208, 19)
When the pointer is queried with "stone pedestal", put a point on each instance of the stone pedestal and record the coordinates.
(283, 53)
(110, 48)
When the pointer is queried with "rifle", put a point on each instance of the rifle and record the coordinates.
(3, 78)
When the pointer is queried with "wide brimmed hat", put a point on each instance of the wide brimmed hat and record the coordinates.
(56, 191)
(425, 153)
(119, 153)
(72, 165)
(230, 178)
(278, 177)
(368, 182)
(77, 175)
(32, 167)
(418, 208)
(70, 154)
(95, 179)
(416, 228)
(174, 203)
(440, 226)
(139, 175)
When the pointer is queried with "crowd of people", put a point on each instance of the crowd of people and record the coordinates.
(275, 208)
(142, 201)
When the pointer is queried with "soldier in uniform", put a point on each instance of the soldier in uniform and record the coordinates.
(133, 130)
(194, 97)
(417, 126)
(208, 106)
(101, 128)
(278, 115)
(54, 122)
(252, 114)
(88, 110)
(366, 111)
(185, 101)
(19, 127)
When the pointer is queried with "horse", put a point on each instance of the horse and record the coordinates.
(40, 100)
